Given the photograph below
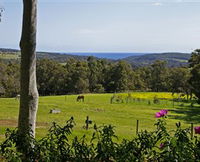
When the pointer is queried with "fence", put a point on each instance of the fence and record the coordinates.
(134, 129)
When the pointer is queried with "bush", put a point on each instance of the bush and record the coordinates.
(99, 88)
(157, 145)
(156, 100)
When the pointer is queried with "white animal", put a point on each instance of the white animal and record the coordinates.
(17, 97)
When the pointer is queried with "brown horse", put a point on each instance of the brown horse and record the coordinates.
(80, 98)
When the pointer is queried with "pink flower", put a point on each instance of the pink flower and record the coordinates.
(158, 115)
(164, 111)
(162, 145)
(197, 130)
(161, 113)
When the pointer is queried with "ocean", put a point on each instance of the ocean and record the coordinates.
(107, 55)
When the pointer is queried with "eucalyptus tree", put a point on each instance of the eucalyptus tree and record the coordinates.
(179, 81)
(159, 75)
(120, 77)
(28, 86)
(195, 73)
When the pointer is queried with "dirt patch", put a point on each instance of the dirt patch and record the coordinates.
(41, 124)
(8, 122)
(13, 123)
(99, 110)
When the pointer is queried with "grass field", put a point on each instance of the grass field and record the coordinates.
(99, 109)
(9, 56)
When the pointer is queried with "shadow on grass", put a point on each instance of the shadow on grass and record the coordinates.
(184, 112)
(187, 113)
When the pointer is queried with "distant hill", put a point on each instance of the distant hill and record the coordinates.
(173, 59)
(8, 50)
(59, 57)
(10, 54)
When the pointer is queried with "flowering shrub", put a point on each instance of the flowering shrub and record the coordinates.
(197, 130)
(162, 145)
(161, 113)
(158, 145)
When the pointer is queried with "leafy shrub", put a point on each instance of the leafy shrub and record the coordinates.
(158, 145)
(156, 100)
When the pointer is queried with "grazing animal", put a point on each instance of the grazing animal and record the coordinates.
(80, 98)
(17, 97)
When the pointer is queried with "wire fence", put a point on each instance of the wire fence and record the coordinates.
(132, 129)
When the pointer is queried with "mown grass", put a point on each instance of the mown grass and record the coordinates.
(99, 109)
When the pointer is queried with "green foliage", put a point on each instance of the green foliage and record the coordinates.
(159, 75)
(179, 81)
(51, 77)
(99, 76)
(9, 79)
(195, 73)
(157, 145)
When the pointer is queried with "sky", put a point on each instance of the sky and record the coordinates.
(107, 25)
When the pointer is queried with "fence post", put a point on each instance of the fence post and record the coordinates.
(192, 130)
(87, 122)
(137, 127)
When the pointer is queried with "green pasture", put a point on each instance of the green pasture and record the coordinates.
(99, 109)
(9, 56)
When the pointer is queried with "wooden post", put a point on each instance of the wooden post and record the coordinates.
(111, 99)
(192, 130)
(137, 127)
(126, 100)
(87, 123)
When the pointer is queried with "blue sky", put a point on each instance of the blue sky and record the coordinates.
(107, 25)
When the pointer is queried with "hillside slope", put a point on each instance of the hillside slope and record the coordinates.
(10, 54)
(172, 59)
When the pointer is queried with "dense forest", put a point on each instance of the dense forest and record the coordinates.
(99, 76)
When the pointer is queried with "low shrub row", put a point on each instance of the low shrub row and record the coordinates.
(159, 145)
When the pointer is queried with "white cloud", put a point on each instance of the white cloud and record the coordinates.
(179, 1)
(157, 4)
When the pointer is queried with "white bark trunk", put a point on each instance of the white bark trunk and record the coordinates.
(28, 93)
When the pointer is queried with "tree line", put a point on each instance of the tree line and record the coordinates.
(99, 76)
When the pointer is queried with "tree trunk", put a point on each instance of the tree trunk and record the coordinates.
(28, 86)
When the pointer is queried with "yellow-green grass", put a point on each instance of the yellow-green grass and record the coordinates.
(97, 106)
(9, 56)
(151, 95)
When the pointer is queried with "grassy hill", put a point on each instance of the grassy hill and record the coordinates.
(10, 54)
(101, 111)
(172, 59)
